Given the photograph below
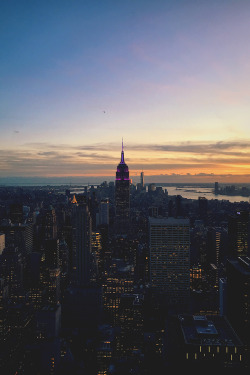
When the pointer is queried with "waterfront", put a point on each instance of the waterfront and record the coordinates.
(188, 192)
(194, 192)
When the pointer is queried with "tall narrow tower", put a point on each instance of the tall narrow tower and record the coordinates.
(142, 179)
(82, 231)
(122, 197)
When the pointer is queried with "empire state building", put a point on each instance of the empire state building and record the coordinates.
(122, 197)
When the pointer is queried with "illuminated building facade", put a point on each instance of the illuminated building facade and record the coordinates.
(122, 197)
(196, 273)
(96, 247)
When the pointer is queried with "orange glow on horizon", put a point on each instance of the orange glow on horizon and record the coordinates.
(162, 176)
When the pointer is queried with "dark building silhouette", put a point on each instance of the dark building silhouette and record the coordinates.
(50, 223)
(130, 339)
(122, 197)
(81, 242)
(238, 300)
(178, 206)
(51, 270)
(170, 208)
(216, 188)
(16, 213)
(102, 217)
(203, 208)
(142, 179)
(45, 227)
(82, 308)
(47, 349)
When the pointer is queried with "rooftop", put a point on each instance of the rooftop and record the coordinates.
(208, 330)
(168, 221)
(242, 264)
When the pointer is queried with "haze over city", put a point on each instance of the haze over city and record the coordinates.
(170, 78)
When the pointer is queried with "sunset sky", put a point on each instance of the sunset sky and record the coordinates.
(172, 78)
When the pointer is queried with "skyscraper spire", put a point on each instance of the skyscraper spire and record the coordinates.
(122, 154)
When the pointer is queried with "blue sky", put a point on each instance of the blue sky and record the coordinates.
(170, 77)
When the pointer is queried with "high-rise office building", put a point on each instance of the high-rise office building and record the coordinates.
(170, 258)
(142, 179)
(16, 212)
(216, 188)
(81, 242)
(51, 251)
(50, 223)
(223, 296)
(130, 321)
(102, 217)
(51, 270)
(48, 322)
(46, 226)
(217, 244)
(238, 234)
(122, 197)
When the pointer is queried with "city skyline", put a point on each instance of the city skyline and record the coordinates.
(169, 78)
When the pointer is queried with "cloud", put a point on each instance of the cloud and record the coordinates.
(62, 146)
(95, 156)
(200, 148)
(229, 147)
(48, 153)
(196, 158)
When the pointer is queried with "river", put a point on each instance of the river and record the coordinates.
(193, 192)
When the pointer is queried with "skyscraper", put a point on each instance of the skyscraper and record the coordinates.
(103, 214)
(122, 197)
(50, 223)
(238, 234)
(81, 242)
(170, 258)
(142, 179)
